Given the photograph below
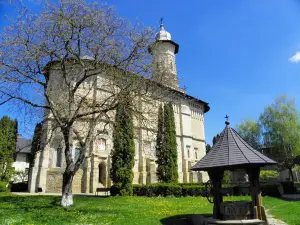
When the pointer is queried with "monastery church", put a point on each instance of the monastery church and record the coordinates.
(49, 163)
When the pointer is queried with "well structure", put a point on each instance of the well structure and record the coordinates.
(232, 152)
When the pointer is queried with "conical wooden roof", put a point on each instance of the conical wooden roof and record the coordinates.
(230, 152)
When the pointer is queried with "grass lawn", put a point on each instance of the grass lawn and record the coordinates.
(16, 209)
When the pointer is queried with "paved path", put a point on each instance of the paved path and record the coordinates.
(291, 197)
(58, 194)
(273, 221)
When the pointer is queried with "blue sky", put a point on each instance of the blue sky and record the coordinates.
(234, 54)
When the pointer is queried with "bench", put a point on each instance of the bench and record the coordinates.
(104, 189)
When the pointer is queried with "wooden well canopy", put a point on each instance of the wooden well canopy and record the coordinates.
(229, 153)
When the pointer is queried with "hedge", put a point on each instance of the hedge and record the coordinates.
(185, 189)
(162, 189)
(19, 187)
(289, 187)
(268, 175)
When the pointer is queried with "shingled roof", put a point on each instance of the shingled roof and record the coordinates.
(231, 151)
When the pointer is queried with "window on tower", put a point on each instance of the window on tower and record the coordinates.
(196, 153)
(188, 150)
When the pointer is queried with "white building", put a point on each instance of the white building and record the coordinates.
(23, 151)
(189, 118)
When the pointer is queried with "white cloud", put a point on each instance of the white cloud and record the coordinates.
(295, 58)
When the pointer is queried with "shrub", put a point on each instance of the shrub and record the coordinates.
(115, 190)
(167, 189)
(274, 190)
(289, 188)
(268, 175)
(193, 190)
(226, 177)
(19, 187)
(3, 186)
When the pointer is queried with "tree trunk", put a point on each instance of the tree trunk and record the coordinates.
(291, 174)
(67, 197)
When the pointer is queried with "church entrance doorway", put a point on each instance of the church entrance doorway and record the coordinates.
(102, 174)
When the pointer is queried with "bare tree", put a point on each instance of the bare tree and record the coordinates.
(73, 63)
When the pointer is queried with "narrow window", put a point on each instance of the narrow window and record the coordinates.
(58, 157)
(188, 150)
(196, 153)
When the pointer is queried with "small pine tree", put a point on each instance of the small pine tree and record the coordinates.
(161, 154)
(215, 139)
(172, 144)
(123, 152)
(208, 148)
(166, 146)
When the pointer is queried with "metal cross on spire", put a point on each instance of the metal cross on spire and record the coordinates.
(161, 23)
(161, 20)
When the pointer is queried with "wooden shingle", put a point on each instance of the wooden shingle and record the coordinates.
(230, 152)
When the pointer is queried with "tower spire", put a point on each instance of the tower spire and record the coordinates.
(164, 59)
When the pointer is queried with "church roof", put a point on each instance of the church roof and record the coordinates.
(230, 152)
(48, 66)
(23, 145)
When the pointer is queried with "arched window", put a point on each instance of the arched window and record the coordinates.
(59, 157)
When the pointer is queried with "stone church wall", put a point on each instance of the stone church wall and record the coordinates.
(55, 178)
(54, 181)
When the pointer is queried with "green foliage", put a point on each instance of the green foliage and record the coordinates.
(215, 139)
(208, 148)
(296, 169)
(169, 189)
(170, 140)
(194, 189)
(166, 145)
(123, 151)
(281, 127)
(3, 186)
(251, 131)
(268, 175)
(226, 177)
(8, 141)
(36, 141)
(289, 187)
(161, 155)
(271, 189)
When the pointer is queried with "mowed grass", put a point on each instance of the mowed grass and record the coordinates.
(15, 209)
(287, 211)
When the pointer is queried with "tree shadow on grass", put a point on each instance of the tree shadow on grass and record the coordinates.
(91, 196)
(185, 219)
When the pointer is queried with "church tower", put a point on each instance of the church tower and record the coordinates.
(163, 52)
